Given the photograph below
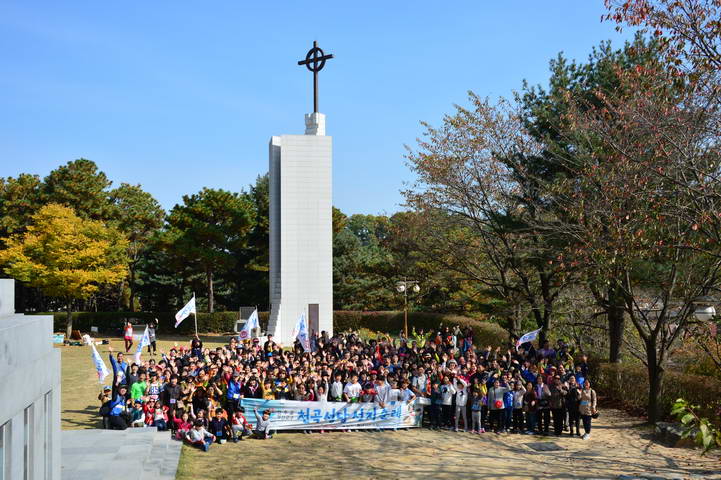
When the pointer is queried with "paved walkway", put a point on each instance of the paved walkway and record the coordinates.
(620, 448)
(132, 454)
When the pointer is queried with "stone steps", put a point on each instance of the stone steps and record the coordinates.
(132, 454)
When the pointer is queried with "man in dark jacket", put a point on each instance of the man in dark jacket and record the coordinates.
(558, 404)
(117, 415)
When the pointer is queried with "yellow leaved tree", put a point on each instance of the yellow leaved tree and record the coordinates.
(65, 256)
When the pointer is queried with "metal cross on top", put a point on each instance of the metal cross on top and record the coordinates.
(315, 61)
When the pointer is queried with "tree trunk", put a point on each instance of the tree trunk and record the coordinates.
(655, 382)
(209, 275)
(616, 325)
(69, 329)
(516, 321)
(119, 305)
(131, 287)
(544, 323)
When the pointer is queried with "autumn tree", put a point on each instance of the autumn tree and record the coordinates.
(577, 86)
(688, 30)
(474, 171)
(139, 216)
(66, 256)
(636, 212)
(207, 227)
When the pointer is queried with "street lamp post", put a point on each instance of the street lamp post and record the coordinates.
(704, 309)
(402, 286)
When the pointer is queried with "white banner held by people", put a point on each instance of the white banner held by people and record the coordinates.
(143, 342)
(528, 337)
(185, 312)
(293, 415)
(99, 364)
(252, 323)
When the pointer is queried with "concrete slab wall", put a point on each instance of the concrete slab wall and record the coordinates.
(29, 396)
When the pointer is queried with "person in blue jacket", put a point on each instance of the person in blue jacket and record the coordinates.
(528, 374)
(118, 410)
(580, 376)
(120, 370)
(508, 407)
(234, 392)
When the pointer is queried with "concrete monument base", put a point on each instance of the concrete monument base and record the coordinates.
(29, 393)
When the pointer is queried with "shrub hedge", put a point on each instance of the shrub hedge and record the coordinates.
(392, 322)
(223, 322)
(628, 384)
(112, 322)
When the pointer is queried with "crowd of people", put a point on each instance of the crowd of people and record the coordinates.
(197, 392)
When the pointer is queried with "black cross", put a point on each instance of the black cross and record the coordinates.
(315, 61)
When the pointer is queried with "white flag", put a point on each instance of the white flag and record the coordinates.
(528, 337)
(144, 342)
(250, 324)
(185, 311)
(300, 331)
(99, 364)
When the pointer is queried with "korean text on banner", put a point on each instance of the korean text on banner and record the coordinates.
(293, 415)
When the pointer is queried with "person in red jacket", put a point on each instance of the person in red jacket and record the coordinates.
(182, 425)
(240, 426)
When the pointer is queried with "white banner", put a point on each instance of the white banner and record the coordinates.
(292, 415)
(184, 312)
(528, 337)
(99, 364)
(252, 323)
(144, 342)
(301, 332)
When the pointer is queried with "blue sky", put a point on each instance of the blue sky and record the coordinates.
(180, 95)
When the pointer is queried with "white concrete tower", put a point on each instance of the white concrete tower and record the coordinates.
(301, 248)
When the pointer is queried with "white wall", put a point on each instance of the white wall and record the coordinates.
(7, 296)
(29, 370)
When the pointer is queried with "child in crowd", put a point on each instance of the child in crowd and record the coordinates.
(182, 425)
(219, 426)
(436, 405)
(447, 392)
(160, 416)
(461, 400)
(137, 415)
(262, 425)
(508, 407)
(200, 437)
(240, 425)
(476, 412)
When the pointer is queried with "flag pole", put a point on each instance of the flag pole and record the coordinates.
(195, 316)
